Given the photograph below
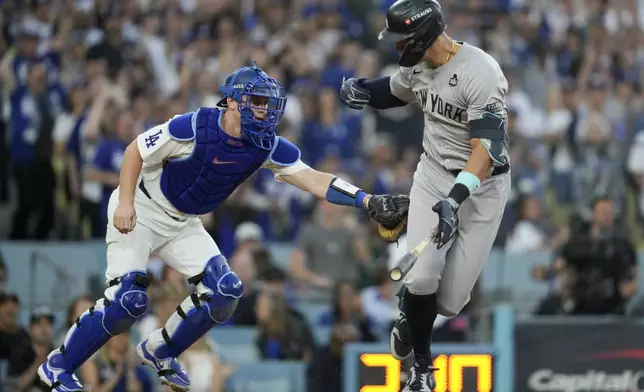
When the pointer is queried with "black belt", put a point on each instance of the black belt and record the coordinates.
(498, 170)
(147, 194)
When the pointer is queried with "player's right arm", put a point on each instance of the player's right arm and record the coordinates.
(125, 215)
(152, 147)
(379, 93)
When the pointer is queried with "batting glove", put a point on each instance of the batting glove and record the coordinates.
(353, 94)
(447, 221)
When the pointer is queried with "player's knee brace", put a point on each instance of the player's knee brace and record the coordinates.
(214, 301)
(125, 301)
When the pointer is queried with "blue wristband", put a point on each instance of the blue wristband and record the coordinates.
(342, 193)
(471, 181)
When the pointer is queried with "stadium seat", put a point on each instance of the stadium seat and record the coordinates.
(239, 354)
(235, 344)
(268, 376)
(233, 335)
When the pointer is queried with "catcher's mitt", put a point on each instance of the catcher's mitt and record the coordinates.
(391, 214)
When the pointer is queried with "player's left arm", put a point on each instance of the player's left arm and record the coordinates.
(284, 161)
(484, 94)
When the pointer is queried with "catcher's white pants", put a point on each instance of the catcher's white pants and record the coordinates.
(184, 246)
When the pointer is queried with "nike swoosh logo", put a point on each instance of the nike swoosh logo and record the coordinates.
(216, 161)
(236, 285)
(417, 72)
(139, 306)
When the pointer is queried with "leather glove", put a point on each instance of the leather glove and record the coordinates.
(391, 214)
(447, 221)
(354, 94)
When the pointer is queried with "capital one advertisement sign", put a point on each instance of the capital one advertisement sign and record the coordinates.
(579, 357)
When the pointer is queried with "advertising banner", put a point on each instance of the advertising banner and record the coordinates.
(579, 357)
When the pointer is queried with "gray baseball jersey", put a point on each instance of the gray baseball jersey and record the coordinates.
(465, 88)
(469, 87)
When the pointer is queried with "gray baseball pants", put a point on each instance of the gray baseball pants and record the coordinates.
(452, 271)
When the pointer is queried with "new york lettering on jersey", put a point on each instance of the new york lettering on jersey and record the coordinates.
(441, 107)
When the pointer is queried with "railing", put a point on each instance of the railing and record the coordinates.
(60, 295)
(506, 277)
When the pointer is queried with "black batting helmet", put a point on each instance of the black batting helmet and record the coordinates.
(416, 24)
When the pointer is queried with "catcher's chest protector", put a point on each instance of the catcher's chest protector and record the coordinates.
(218, 165)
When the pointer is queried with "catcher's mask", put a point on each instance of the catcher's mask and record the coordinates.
(261, 101)
(414, 25)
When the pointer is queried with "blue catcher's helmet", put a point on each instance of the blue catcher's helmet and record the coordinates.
(261, 101)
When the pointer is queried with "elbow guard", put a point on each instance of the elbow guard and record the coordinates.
(381, 96)
(491, 130)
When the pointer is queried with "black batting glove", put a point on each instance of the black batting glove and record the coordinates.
(354, 94)
(447, 221)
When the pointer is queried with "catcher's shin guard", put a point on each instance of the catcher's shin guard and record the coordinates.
(125, 301)
(217, 294)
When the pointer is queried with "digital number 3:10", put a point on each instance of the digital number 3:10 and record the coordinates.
(451, 365)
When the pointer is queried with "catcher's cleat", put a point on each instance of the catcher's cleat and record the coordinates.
(169, 370)
(57, 379)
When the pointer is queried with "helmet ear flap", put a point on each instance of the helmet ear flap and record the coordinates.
(414, 50)
(416, 45)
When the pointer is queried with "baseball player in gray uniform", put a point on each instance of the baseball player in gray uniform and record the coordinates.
(462, 182)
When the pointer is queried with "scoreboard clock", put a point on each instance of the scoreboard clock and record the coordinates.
(461, 368)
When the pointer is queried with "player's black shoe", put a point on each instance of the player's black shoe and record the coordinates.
(421, 377)
(399, 343)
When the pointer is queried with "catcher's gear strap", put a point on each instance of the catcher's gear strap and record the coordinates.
(342, 193)
(381, 96)
(491, 130)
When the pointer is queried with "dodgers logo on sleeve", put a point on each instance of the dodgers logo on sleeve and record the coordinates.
(151, 140)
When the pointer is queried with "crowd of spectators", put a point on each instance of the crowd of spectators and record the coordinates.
(81, 78)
